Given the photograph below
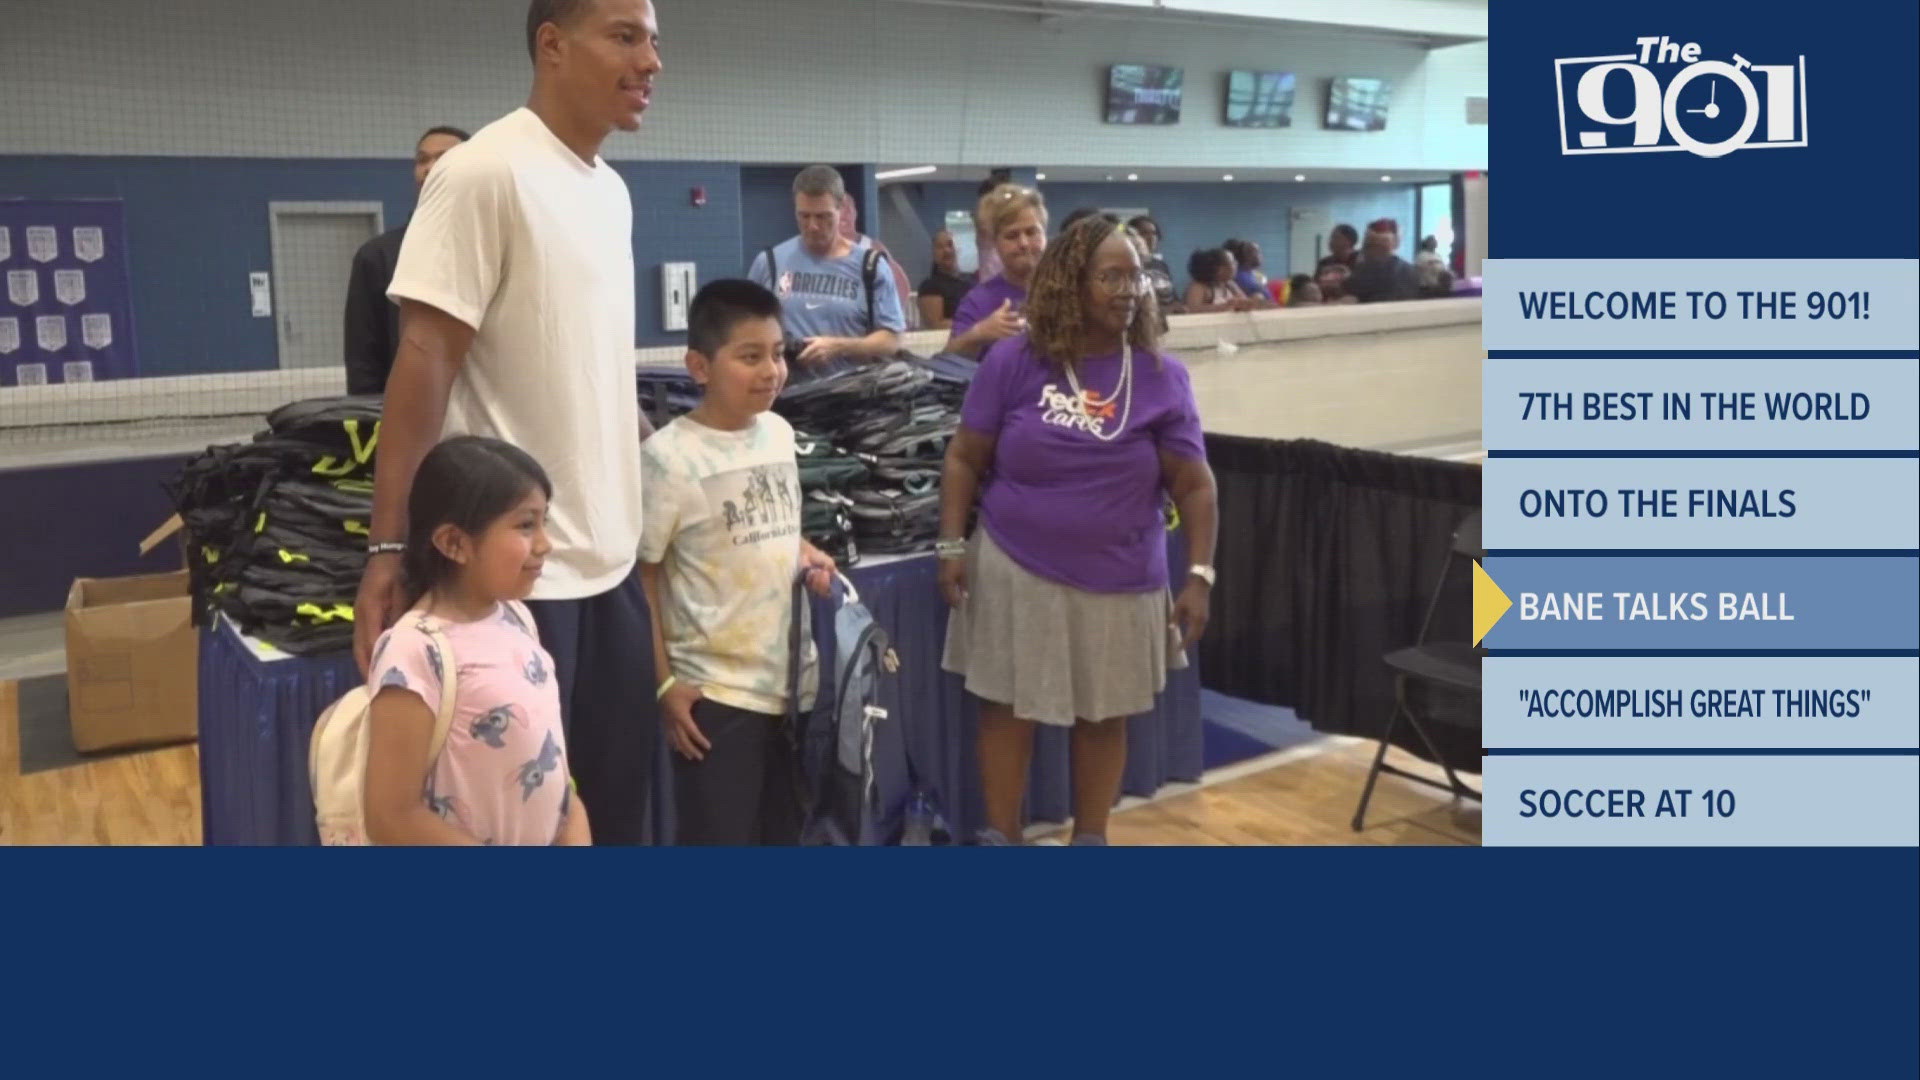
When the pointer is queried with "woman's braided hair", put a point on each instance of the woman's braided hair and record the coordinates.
(1056, 298)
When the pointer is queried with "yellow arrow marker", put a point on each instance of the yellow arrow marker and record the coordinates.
(1489, 603)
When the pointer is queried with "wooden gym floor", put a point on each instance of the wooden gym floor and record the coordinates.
(1304, 795)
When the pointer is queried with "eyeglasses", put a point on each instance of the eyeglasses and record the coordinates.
(1121, 281)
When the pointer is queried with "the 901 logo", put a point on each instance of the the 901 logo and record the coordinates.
(1664, 97)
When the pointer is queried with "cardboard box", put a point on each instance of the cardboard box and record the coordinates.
(133, 661)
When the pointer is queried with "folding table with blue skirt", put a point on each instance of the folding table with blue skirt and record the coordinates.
(257, 712)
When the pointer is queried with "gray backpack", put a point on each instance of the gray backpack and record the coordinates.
(834, 740)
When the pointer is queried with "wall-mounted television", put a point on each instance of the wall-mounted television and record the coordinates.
(1358, 104)
(1260, 99)
(1144, 94)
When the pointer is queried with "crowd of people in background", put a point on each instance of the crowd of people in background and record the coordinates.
(1011, 220)
(860, 299)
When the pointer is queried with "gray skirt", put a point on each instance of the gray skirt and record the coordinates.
(1053, 652)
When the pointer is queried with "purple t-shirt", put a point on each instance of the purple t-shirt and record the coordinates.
(984, 299)
(1061, 502)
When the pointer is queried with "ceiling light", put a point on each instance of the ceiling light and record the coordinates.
(1384, 179)
(1297, 177)
(1228, 176)
(1039, 176)
(896, 174)
(1133, 176)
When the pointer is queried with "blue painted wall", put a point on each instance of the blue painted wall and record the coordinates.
(667, 227)
(95, 536)
(196, 227)
(1194, 215)
(766, 210)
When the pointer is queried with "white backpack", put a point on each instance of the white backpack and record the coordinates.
(337, 755)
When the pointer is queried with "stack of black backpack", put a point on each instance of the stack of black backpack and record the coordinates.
(896, 418)
(827, 472)
(665, 394)
(870, 443)
(827, 475)
(279, 526)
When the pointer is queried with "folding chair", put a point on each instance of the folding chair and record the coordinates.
(1454, 664)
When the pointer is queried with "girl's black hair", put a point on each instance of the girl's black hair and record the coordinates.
(1085, 212)
(1204, 264)
(468, 482)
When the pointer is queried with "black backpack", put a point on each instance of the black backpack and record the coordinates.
(869, 274)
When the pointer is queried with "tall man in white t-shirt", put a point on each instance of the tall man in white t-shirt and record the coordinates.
(516, 294)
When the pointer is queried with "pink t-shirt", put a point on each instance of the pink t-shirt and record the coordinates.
(503, 773)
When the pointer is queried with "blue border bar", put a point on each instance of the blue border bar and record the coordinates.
(1705, 454)
(1780, 653)
(1717, 553)
(1700, 354)
(1699, 751)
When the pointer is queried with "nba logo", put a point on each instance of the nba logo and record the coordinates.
(785, 287)
(1663, 96)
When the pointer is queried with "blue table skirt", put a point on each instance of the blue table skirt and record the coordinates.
(256, 717)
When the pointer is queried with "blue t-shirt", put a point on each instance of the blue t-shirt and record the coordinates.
(828, 297)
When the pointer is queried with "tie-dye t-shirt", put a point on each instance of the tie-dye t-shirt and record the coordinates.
(503, 773)
(723, 512)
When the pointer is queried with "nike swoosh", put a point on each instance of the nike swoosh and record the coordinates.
(810, 307)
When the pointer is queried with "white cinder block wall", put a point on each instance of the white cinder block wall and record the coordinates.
(745, 80)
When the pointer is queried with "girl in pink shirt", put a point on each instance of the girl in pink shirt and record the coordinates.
(476, 540)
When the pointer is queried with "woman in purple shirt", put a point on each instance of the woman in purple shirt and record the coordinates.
(1016, 218)
(1073, 435)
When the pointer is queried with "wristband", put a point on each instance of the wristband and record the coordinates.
(671, 682)
(387, 547)
(950, 549)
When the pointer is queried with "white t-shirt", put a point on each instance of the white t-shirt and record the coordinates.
(521, 240)
(723, 517)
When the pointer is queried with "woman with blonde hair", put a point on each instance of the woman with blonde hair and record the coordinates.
(1073, 435)
(1015, 220)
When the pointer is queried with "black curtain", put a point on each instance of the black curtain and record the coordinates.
(1457, 254)
(1328, 558)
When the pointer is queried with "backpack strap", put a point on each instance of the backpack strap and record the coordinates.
(773, 271)
(449, 688)
(796, 650)
(796, 725)
(869, 275)
(526, 618)
(852, 595)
